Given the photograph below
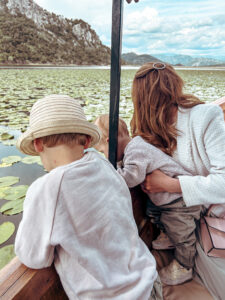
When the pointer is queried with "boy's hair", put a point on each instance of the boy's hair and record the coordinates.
(103, 121)
(69, 139)
(157, 90)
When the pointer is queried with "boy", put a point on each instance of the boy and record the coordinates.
(138, 159)
(79, 215)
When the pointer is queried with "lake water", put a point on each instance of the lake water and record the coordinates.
(21, 87)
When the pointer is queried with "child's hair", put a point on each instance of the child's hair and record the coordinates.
(69, 139)
(157, 90)
(103, 122)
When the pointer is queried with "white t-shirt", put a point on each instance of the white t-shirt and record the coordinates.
(80, 215)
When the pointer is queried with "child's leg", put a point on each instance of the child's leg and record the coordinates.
(180, 223)
(162, 242)
(154, 213)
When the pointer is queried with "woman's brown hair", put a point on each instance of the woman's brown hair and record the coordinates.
(156, 92)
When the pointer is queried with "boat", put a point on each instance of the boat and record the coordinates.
(19, 282)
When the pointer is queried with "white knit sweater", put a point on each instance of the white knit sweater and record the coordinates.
(201, 151)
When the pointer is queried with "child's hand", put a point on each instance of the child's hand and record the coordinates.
(129, 1)
(157, 182)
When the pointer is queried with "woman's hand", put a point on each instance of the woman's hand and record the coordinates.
(157, 182)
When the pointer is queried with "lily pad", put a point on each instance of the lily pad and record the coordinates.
(2, 191)
(6, 136)
(5, 165)
(6, 255)
(31, 160)
(9, 142)
(12, 207)
(9, 161)
(15, 192)
(6, 231)
(8, 180)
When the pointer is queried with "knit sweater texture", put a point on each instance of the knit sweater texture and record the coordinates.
(201, 151)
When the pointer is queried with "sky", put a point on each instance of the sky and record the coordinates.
(191, 27)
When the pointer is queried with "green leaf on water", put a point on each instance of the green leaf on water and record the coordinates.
(15, 192)
(8, 180)
(6, 255)
(31, 160)
(6, 231)
(11, 159)
(6, 136)
(9, 142)
(12, 207)
(2, 191)
(4, 165)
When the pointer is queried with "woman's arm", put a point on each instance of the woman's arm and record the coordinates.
(157, 182)
(210, 188)
(199, 189)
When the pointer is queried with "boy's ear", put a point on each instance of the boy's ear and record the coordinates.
(107, 139)
(88, 141)
(38, 145)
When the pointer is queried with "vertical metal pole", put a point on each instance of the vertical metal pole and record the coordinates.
(116, 41)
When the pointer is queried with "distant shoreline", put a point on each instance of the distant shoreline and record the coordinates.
(107, 67)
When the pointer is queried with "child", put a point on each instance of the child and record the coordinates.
(79, 215)
(140, 158)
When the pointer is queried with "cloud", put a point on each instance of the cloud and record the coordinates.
(141, 21)
(176, 33)
(175, 26)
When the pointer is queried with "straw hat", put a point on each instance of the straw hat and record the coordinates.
(56, 114)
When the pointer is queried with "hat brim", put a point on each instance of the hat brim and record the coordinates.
(25, 141)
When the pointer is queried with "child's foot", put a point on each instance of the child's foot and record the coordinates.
(162, 242)
(175, 274)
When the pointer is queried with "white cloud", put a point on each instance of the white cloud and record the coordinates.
(174, 26)
(141, 21)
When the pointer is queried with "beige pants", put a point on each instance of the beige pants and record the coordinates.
(179, 222)
(156, 293)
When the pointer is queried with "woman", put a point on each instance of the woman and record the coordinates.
(194, 134)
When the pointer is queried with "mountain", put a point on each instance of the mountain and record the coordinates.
(173, 59)
(135, 59)
(30, 34)
(188, 60)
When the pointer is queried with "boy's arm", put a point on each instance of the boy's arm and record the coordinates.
(32, 244)
(134, 166)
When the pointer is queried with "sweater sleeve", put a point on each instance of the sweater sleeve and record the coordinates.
(134, 167)
(205, 190)
(33, 239)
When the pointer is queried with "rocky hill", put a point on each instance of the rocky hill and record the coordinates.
(135, 59)
(173, 59)
(30, 34)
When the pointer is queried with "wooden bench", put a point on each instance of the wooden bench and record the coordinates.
(18, 282)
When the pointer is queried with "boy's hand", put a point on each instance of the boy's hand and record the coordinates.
(157, 182)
